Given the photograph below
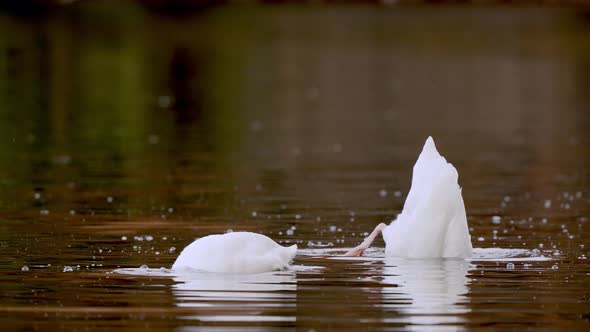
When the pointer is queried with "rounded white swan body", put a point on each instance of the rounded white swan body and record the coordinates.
(433, 222)
(236, 252)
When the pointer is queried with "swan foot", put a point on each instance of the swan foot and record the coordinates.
(360, 249)
(355, 252)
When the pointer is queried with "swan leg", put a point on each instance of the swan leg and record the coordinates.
(358, 250)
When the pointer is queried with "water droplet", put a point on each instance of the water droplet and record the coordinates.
(506, 199)
(297, 216)
(164, 101)
(24, 268)
(149, 237)
(496, 219)
(289, 232)
(124, 238)
(72, 212)
(144, 267)
(61, 159)
(37, 195)
(170, 210)
(319, 244)
(383, 193)
(397, 194)
(554, 267)
(256, 126)
(44, 212)
(333, 228)
(510, 266)
(172, 250)
(153, 139)
(337, 147)
(295, 152)
(229, 230)
(312, 93)
(480, 239)
(254, 213)
(536, 253)
(547, 203)
(68, 269)
(109, 199)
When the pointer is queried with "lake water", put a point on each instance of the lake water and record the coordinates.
(126, 133)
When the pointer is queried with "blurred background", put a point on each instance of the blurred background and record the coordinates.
(126, 122)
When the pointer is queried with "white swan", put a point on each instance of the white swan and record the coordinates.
(432, 224)
(433, 221)
(236, 252)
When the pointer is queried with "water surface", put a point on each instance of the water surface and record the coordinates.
(125, 134)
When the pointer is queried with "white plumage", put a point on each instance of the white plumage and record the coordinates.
(433, 222)
(236, 252)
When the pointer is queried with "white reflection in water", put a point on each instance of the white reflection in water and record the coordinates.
(223, 297)
(237, 297)
(193, 288)
(429, 292)
(423, 294)
(506, 255)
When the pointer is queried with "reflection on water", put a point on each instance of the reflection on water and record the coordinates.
(266, 297)
(236, 286)
(416, 294)
(125, 134)
(434, 289)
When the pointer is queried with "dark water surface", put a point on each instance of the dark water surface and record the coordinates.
(125, 134)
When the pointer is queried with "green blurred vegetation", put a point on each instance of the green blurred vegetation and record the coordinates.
(103, 95)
